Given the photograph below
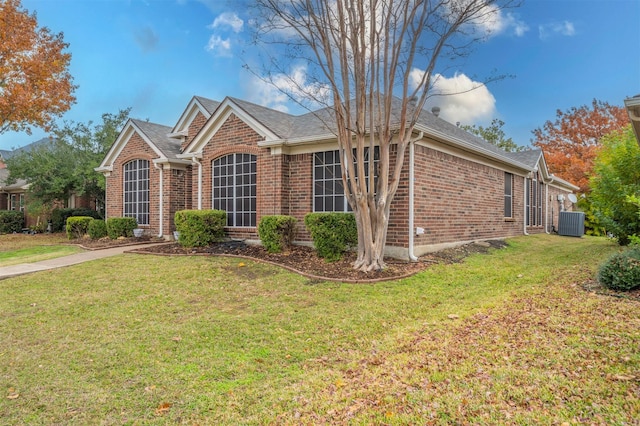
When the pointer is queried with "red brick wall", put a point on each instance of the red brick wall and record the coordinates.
(135, 148)
(194, 127)
(460, 200)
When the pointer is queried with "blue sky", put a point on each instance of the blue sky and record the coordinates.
(154, 55)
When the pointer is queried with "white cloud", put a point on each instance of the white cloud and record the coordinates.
(519, 27)
(276, 93)
(219, 46)
(490, 20)
(564, 28)
(228, 20)
(460, 98)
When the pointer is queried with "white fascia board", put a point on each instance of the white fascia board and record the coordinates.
(189, 155)
(307, 140)
(467, 146)
(193, 107)
(224, 111)
(178, 135)
(104, 169)
(168, 161)
(563, 184)
(121, 141)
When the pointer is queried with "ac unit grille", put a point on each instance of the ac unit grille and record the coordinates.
(571, 224)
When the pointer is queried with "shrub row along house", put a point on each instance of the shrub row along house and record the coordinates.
(253, 161)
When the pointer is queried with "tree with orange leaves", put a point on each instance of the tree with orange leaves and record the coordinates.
(35, 84)
(571, 143)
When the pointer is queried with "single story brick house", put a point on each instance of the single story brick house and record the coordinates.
(253, 161)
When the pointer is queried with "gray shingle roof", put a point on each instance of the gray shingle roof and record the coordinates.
(529, 157)
(278, 122)
(209, 104)
(4, 176)
(157, 134)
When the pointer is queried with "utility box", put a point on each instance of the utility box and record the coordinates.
(571, 224)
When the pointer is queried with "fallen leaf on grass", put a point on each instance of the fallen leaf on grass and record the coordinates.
(163, 408)
(453, 316)
(241, 264)
(176, 338)
(13, 394)
(150, 388)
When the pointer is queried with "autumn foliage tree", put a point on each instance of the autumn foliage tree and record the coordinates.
(35, 84)
(572, 141)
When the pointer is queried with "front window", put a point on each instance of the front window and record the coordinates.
(508, 195)
(328, 192)
(136, 191)
(234, 188)
(534, 198)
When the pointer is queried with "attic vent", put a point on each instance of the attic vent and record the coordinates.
(571, 224)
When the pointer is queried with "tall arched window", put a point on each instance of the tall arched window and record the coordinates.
(136, 190)
(234, 188)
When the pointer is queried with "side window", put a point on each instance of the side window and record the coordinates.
(508, 195)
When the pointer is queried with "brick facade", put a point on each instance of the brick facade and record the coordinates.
(458, 196)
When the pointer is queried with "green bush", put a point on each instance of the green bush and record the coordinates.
(277, 232)
(59, 217)
(621, 271)
(77, 226)
(332, 233)
(121, 227)
(11, 221)
(199, 228)
(97, 229)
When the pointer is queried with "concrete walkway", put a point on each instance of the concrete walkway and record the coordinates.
(60, 262)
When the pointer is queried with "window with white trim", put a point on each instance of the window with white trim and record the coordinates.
(328, 191)
(508, 195)
(534, 196)
(136, 190)
(234, 188)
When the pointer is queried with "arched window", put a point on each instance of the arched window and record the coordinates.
(136, 191)
(234, 188)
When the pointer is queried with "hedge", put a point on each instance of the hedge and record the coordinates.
(11, 221)
(77, 226)
(59, 217)
(277, 232)
(332, 233)
(199, 228)
(121, 227)
(97, 229)
(621, 271)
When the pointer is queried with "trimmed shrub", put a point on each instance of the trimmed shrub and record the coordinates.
(621, 271)
(59, 217)
(277, 232)
(11, 221)
(97, 229)
(199, 228)
(77, 226)
(332, 233)
(121, 227)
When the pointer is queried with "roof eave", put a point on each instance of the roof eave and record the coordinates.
(633, 109)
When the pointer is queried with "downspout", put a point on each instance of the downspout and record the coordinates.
(195, 160)
(524, 204)
(161, 199)
(412, 255)
(546, 197)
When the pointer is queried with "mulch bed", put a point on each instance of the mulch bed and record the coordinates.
(303, 259)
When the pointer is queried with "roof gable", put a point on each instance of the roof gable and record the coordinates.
(154, 135)
(197, 105)
(260, 119)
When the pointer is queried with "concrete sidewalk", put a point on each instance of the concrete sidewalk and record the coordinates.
(60, 262)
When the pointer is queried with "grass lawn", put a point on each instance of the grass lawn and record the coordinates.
(20, 248)
(505, 338)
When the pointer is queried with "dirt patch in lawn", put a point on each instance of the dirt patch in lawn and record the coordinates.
(302, 259)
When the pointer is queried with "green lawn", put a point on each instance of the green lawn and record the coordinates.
(20, 248)
(505, 338)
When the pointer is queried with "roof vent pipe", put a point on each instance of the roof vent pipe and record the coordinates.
(435, 111)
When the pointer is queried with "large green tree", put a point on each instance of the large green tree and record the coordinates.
(64, 166)
(616, 183)
(495, 135)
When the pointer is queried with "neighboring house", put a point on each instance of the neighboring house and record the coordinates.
(253, 161)
(13, 196)
(633, 109)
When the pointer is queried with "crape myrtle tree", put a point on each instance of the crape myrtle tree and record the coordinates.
(35, 84)
(364, 55)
